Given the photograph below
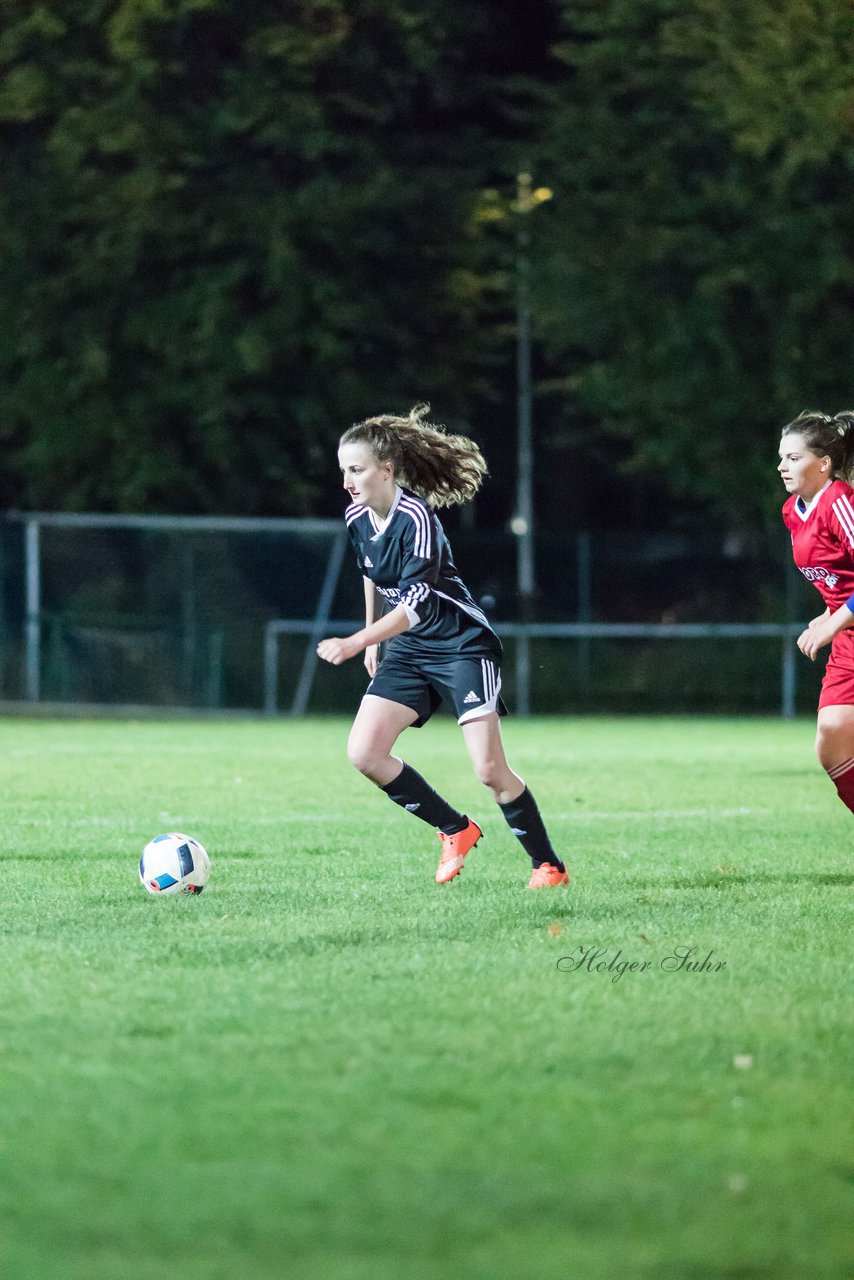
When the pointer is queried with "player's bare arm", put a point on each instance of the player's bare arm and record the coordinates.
(337, 650)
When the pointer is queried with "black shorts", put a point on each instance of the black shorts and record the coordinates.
(470, 683)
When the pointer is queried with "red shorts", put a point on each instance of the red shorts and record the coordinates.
(837, 687)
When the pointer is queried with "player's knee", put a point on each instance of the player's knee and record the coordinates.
(363, 761)
(831, 746)
(490, 772)
(361, 756)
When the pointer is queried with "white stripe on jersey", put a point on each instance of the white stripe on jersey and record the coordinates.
(416, 592)
(423, 529)
(471, 610)
(353, 512)
(845, 515)
(412, 596)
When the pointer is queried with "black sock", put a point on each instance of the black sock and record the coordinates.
(412, 793)
(523, 819)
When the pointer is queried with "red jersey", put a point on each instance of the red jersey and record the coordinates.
(823, 541)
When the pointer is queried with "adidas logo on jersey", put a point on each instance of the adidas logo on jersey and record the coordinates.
(369, 564)
(471, 697)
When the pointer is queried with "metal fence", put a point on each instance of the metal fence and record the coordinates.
(157, 610)
(524, 634)
(206, 612)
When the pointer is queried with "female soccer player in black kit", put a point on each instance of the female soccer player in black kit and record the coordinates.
(440, 644)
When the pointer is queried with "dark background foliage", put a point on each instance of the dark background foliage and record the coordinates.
(227, 230)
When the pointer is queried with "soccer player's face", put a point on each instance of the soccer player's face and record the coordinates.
(802, 471)
(365, 479)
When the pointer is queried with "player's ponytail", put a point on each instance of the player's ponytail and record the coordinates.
(441, 468)
(845, 430)
(828, 437)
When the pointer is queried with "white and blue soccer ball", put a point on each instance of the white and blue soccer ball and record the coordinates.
(174, 863)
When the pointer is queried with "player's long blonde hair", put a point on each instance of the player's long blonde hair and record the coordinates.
(828, 437)
(441, 468)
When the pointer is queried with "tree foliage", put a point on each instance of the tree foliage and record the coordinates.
(227, 230)
(699, 283)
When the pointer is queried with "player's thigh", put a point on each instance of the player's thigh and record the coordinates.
(379, 723)
(834, 739)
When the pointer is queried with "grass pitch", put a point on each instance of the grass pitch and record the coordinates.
(328, 1066)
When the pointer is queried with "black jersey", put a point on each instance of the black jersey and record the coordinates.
(408, 558)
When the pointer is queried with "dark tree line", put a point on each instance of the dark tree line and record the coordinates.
(698, 282)
(227, 230)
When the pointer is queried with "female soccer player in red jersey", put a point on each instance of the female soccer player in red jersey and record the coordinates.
(816, 454)
(440, 644)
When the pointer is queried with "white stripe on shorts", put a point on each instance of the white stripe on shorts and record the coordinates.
(491, 690)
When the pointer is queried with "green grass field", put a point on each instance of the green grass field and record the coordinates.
(327, 1066)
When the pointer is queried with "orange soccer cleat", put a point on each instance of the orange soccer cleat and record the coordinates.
(547, 876)
(454, 850)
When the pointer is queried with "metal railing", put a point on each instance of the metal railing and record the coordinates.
(524, 632)
(208, 598)
(34, 522)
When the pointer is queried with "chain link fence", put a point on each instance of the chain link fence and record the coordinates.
(179, 612)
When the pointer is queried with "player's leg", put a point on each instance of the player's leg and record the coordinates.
(486, 748)
(834, 744)
(378, 724)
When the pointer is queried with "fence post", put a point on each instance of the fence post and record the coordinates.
(523, 671)
(788, 674)
(32, 640)
(214, 681)
(189, 629)
(271, 669)
(789, 653)
(322, 614)
(585, 609)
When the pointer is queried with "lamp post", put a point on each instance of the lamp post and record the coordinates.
(523, 520)
(522, 524)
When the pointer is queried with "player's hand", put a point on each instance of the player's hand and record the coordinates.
(372, 659)
(815, 637)
(336, 650)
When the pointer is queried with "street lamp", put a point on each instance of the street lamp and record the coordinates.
(522, 524)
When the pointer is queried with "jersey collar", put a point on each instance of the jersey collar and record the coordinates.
(805, 509)
(379, 525)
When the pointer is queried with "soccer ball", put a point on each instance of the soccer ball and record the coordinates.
(174, 863)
